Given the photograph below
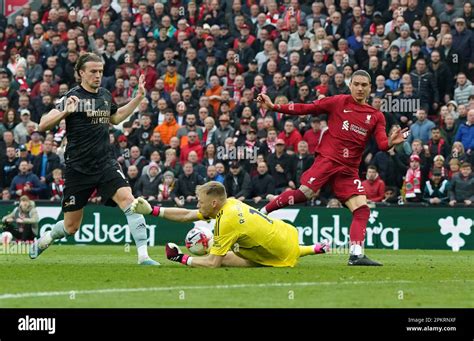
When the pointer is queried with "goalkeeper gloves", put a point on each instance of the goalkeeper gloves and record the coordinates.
(173, 253)
(141, 206)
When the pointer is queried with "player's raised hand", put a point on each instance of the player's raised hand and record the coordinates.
(141, 86)
(141, 206)
(71, 104)
(399, 135)
(265, 101)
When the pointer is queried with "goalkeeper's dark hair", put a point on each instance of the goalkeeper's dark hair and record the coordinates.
(85, 58)
(212, 188)
(362, 73)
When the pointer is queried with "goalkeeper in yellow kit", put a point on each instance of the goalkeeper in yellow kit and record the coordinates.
(243, 237)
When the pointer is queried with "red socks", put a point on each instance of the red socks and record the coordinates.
(360, 217)
(286, 199)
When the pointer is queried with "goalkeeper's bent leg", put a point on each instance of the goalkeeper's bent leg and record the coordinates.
(306, 250)
(315, 249)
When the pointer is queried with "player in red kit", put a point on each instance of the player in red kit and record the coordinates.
(351, 123)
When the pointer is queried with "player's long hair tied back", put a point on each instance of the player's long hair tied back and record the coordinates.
(85, 58)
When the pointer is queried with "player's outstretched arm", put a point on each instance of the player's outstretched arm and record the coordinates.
(290, 109)
(209, 261)
(52, 118)
(141, 206)
(124, 112)
(174, 254)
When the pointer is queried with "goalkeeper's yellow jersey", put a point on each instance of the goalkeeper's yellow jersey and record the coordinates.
(254, 236)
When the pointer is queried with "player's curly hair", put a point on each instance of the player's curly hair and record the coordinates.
(85, 58)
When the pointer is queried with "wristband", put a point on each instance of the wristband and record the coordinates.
(155, 211)
(158, 211)
(184, 260)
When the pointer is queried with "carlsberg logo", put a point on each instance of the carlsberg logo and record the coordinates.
(95, 232)
(448, 227)
(339, 235)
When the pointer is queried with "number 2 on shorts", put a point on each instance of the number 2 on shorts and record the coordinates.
(360, 188)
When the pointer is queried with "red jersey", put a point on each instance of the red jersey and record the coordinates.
(291, 140)
(350, 126)
(312, 138)
(375, 189)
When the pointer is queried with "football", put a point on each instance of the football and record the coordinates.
(199, 241)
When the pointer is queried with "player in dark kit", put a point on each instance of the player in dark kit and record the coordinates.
(88, 110)
(351, 123)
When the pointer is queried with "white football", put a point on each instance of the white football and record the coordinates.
(199, 241)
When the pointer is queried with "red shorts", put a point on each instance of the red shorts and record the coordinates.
(343, 180)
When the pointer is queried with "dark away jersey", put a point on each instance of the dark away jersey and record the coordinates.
(87, 131)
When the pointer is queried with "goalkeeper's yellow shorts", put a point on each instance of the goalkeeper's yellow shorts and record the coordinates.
(281, 254)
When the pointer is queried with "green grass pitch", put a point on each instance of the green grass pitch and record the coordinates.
(107, 276)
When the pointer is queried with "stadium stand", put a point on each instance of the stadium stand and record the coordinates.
(206, 61)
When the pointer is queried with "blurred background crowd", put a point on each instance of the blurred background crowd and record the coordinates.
(204, 64)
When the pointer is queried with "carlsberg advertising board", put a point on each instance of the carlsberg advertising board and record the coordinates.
(389, 228)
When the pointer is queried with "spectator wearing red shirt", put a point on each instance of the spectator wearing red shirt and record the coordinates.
(118, 94)
(192, 145)
(290, 135)
(47, 78)
(183, 26)
(374, 186)
(313, 136)
(150, 74)
(244, 34)
(323, 88)
(273, 13)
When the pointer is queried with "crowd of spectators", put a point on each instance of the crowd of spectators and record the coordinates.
(206, 61)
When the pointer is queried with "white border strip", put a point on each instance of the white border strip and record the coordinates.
(207, 287)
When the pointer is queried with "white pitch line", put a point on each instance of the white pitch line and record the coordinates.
(204, 287)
